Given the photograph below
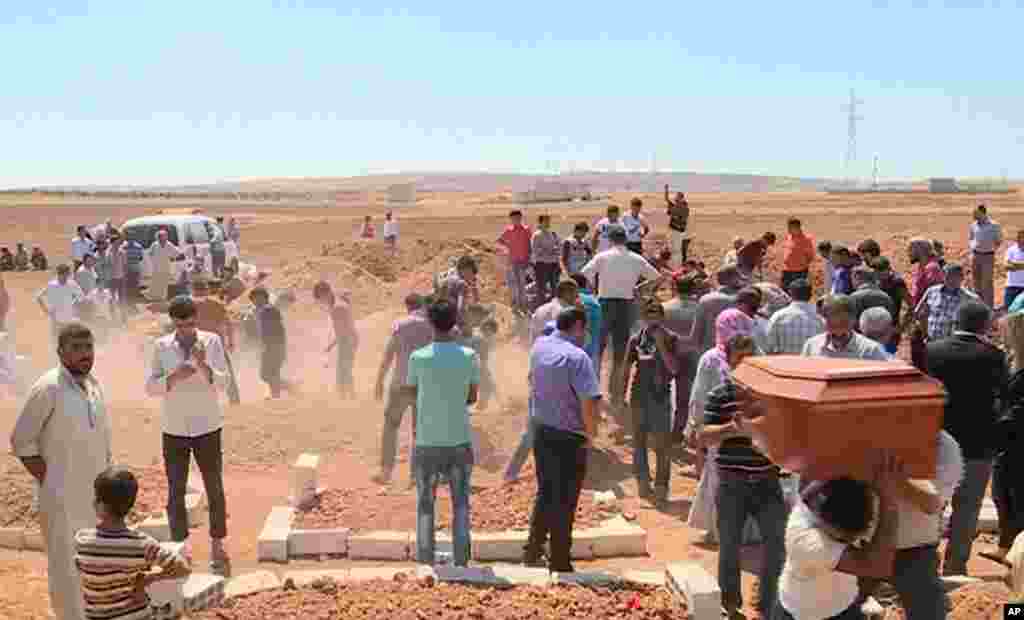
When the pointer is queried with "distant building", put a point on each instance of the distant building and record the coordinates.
(942, 186)
(402, 195)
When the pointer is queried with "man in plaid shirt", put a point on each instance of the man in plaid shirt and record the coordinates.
(794, 325)
(939, 306)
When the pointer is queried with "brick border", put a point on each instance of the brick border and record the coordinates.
(280, 540)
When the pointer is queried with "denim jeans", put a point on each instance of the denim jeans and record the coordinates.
(1009, 294)
(915, 577)
(516, 277)
(178, 452)
(561, 459)
(657, 433)
(515, 464)
(547, 279)
(398, 401)
(617, 318)
(963, 523)
(456, 465)
(740, 496)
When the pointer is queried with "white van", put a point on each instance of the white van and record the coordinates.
(184, 231)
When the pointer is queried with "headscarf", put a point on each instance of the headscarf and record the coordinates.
(730, 323)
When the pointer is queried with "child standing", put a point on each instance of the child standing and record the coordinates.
(114, 561)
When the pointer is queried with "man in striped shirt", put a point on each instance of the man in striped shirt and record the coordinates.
(748, 486)
(791, 327)
(114, 561)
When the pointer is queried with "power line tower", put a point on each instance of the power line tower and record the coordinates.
(851, 130)
(874, 174)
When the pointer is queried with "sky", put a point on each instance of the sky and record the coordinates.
(193, 92)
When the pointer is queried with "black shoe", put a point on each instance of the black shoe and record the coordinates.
(644, 491)
(534, 559)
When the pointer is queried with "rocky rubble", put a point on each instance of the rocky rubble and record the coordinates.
(408, 599)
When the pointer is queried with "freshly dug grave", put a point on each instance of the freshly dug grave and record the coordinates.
(973, 602)
(492, 509)
(419, 599)
(17, 492)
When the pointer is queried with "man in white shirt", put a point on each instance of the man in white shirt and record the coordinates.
(86, 275)
(390, 230)
(161, 253)
(566, 296)
(985, 237)
(59, 300)
(189, 371)
(599, 239)
(80, 246)
(617, 272)
(636, 227)
(1014, 271)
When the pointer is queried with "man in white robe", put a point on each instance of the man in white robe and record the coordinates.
(160, 255)
(62, 436)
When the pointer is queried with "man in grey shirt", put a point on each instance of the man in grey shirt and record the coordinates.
(985, 237)
(867, 294)
(702, 335)
(839, 339)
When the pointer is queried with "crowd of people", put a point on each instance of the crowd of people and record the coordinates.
(826, 544)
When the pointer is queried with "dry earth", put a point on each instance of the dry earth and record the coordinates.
(302, 244)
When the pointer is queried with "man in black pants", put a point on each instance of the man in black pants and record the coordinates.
(564, 391)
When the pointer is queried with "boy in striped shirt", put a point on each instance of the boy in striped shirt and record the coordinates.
(114, 561)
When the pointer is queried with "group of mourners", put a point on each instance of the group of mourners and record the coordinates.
(21, 260)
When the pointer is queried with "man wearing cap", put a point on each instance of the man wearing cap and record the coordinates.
(187, 372)
(617, 272)
(939, 305)
(160, 254)
(985, 238)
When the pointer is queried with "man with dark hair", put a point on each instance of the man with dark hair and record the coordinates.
(545, 255)
(445, 378)
(601, 237)
(680, 314)
(346, 338)
(974, 373)
(617, 272)
(63, 438)
(515, 239)
(797, 253)
(893, 285)
(678, 211)
(869, 250)
(636, 227)
(842, 262)
(187, 372)
(576, 250)
(940, 304)
(985, 238)
(409, 334)
(790, 328)
(592, 307)
(748, 486)
(653, 351)
(59, 300)
(112, 546)
(564, 390)
(711, 305)
(866, 293)
(273, 342)
(566, 295)
(840, 340)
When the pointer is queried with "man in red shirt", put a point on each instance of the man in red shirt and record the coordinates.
(516, 241)
(927, 273)
(797, 254)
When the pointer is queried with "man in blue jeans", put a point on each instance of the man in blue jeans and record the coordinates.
(445, 378)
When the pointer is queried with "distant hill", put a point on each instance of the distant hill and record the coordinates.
(598, 182)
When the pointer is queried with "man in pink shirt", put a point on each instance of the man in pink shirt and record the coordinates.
(516, 241)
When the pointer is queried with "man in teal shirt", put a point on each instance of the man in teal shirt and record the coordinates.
(592, 308)
(445, 377)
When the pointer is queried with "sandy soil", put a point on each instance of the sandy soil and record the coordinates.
(302, 244)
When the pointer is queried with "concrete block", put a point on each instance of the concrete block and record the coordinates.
(387, 573)
(582, 544)
(318, 542)
(585, 578)
(379, 546)
(521, 575)
(615, 539)
(442, 544)
(303, 479)
(195, 506)
(304, 578)
(157, 527)
(498, 546)
(699, 589)
(194, 593)
(645, 577)
(272, 545)
(953, 582)
(12, 538)
(502, 574)
(34, 541)
(251, 583)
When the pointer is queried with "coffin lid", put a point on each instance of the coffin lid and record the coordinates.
(830, 381)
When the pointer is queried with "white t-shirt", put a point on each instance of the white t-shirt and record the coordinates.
(915, 528)
(619, 271)
(634, 227)
(1016, 254)
(60, 299)
(602, 228)
(810, 588)
(80, 247)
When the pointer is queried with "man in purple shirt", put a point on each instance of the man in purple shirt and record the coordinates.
(408, 334)
(564, 390)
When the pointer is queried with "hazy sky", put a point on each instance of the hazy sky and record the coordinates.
(182, 91)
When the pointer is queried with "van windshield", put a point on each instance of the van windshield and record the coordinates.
(146, 233)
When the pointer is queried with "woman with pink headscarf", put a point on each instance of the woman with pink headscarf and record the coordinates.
(712, 370)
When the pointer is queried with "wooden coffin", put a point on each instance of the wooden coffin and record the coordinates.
(827, 417)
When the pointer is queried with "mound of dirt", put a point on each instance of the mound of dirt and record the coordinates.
(973, 602)
(410, 599)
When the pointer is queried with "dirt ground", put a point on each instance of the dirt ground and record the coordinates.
(302, 244)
